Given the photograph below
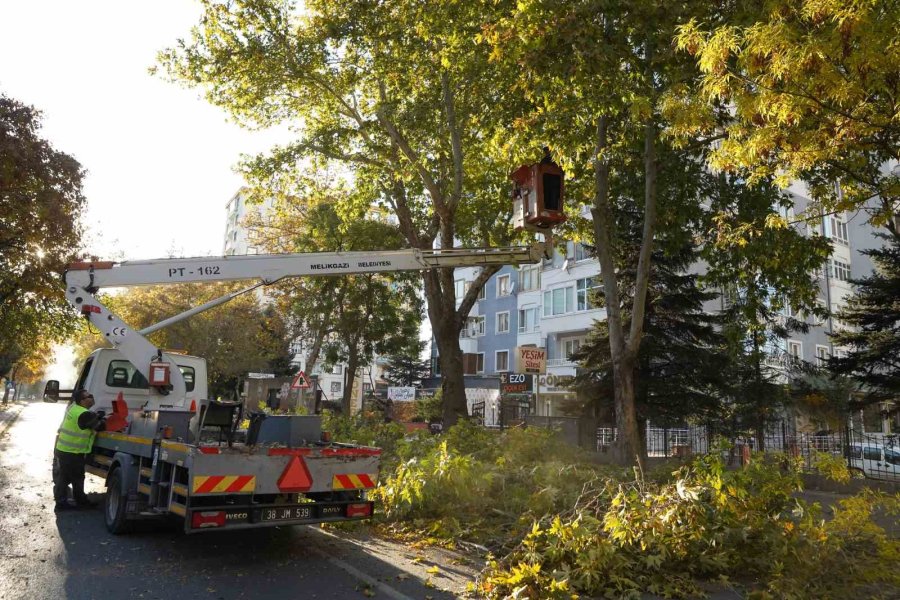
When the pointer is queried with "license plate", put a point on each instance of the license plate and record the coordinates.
(289, 513)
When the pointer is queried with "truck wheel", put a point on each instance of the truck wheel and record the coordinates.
(114, 505)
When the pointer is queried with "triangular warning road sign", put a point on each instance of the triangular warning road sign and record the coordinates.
(295, 477)
(301, 381)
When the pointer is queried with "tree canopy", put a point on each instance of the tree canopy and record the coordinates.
(813, 87)
(349, 318)
(397, 93)
(41, 204)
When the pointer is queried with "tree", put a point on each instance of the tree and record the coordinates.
(766, 270)
(873, 337)
(235, 338)
(406, 367)
(813, 85)
(396, 93)
(349, 318)
(41, 203)
(680, 367)
(608, 93)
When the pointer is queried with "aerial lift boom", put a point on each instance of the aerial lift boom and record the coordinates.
(84, 279)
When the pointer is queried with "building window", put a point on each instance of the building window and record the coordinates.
(528, 320)
(502, 360)
(459, 288)
(335, 387)
(503, 322)
(576, 251)
(559, 301)
(336, 369)
(530, 278)
(836, 229)
(503, 286)
(838, 270)
(569, 347)
(821, 356)
(473, 363)
(585, 288)
(787, 309)
(474, 328)
(482, 292)
(436, 365)
(795, 349)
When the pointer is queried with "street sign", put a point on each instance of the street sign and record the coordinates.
(260, 375)
(516, 383)
(401, 394)
(301, 382)
(530, 360)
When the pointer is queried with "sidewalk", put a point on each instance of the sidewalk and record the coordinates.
(9, 412)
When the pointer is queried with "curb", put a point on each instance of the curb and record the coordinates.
(14, 411)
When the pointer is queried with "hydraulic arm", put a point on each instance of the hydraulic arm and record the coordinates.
(83, 279)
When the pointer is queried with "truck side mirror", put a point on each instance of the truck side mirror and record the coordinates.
(51, 391)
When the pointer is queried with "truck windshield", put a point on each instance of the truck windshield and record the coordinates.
(122, 374)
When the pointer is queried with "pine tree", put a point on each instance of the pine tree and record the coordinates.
(681, 359)
(873, 312)
(406, 367)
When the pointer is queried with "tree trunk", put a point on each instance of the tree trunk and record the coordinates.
(445, 328)
(628, 446)
(350, 378)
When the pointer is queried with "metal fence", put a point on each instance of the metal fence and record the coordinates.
(874, 456)
(501, 413)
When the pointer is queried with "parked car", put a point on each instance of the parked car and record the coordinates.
(875, 460)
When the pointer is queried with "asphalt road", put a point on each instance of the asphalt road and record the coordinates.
(71, 555)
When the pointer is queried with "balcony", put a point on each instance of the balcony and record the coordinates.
(560, 362)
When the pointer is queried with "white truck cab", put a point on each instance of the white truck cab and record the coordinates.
(107, 373)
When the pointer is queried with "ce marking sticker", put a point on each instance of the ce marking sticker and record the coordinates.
(119, 331)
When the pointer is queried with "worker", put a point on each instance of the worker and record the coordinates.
(74, 441)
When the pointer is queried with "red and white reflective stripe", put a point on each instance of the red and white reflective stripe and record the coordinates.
(209, 450)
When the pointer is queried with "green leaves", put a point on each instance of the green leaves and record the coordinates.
(813, 85)
(41, 204)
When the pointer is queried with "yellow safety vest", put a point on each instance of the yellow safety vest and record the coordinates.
(71, 438)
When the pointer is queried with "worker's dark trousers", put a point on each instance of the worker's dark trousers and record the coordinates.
(68, 469)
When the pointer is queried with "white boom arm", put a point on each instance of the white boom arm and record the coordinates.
(84, 279)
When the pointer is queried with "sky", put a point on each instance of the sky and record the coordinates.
(159, 157)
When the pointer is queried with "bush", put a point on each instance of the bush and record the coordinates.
(708, 524)
(444, 485)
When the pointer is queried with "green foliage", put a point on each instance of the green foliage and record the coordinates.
(708, 524)
(430, 408)
(813, 86)
(441, 487)
(873, 338)
(41, 204)
(405, 365)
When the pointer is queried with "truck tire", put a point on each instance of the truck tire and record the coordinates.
(115, 504)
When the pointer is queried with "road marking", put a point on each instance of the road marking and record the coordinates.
(367, 579)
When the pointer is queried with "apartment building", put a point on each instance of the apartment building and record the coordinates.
(548, 306)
